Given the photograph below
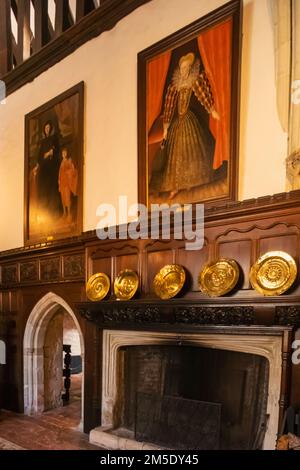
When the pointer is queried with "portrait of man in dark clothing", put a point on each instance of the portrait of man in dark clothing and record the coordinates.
(54, 167)
(47, 171)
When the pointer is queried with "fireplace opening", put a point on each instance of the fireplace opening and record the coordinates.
(188, 397)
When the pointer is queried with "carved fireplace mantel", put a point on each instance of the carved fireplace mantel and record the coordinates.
(183, 322)
(185, 312)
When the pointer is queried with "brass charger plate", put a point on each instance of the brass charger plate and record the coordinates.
(126, 284)
(219, 277)
(169, 281)
(273, 273)
(97, 287)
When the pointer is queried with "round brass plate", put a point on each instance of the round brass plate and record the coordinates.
(97, 287)
(273, 273)
(126, 284)
(169, 281)
(219, 277)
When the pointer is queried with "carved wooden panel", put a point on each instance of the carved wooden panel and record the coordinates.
(123, 312)
(9, 274)
(74, 266)
(50, 269)
(28, 271)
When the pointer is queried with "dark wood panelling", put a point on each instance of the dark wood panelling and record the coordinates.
(157, 255)
(193, 261)
(5, 302)
(241, 231)
(44, 269)
(102, 265)
(13, 301)
(240, 251)
(28, 271)
(286, 242)
(9, 274)
(73, 266)
(50, 269)
(127, 262)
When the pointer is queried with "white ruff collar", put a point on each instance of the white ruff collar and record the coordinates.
(180, 82)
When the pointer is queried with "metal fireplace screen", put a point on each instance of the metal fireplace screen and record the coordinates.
(177, 423)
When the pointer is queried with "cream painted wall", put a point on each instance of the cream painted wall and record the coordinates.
(108, 66)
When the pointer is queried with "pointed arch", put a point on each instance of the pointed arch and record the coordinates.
(33, 346)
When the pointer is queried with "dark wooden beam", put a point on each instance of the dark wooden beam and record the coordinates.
(14, 50)
(100, 20)
(91, 5)
(63, 17)
(24, 32)
(5, 38)
(80, 9)
(84, 7)
(50, 27)
(41, 24)
(71, 20)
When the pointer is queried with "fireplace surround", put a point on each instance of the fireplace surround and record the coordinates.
(129, 324)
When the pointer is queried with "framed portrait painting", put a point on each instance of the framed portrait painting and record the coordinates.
(54, 168)
(188, 112)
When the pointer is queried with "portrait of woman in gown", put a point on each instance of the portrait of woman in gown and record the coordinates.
(187, 108)
(187, 146)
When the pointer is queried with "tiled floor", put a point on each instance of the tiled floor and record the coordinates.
(53, 430)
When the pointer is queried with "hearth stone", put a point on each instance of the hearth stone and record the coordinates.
(118, 439)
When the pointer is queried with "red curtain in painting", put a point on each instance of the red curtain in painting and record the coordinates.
(215, 50)
(156, 79)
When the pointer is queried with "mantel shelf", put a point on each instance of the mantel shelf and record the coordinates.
(146, 312)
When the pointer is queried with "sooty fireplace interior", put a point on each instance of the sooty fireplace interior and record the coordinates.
(193, 398)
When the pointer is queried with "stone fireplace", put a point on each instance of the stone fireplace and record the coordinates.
(232, 376)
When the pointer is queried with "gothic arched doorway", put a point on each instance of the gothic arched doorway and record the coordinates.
(50, 323)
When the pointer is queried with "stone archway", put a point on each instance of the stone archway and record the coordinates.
(33, 344)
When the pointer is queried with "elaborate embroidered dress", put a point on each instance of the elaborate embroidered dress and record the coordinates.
(189, 145)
